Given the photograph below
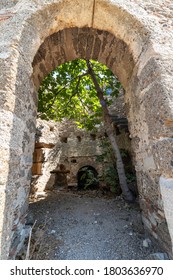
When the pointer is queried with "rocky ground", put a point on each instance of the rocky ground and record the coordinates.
(87, 226)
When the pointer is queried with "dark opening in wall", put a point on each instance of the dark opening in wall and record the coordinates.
(93, 137)
(63, 139)
(117, 131)
(51, 128)
(73, 160)
(79, 138)
(87, 178)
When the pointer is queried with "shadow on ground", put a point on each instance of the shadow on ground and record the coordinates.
(86, 226)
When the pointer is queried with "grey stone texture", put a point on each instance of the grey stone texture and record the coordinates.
(134, 38)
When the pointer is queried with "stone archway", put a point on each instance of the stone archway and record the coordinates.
(87, 177)
(133, 48)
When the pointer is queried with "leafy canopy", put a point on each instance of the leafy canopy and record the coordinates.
(68, 92)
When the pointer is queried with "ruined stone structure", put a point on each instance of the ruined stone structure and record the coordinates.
(134, 38)
(62, 149)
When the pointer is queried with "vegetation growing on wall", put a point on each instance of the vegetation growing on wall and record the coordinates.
(110, 175)
(87, 178)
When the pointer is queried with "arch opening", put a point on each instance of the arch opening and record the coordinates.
(79, 101)
(87, 178)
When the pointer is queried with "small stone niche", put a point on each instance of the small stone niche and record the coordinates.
(93, 136)
(79, 138)
(51, 128)
(63, 139)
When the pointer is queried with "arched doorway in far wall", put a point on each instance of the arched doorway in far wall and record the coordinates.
(87, 178)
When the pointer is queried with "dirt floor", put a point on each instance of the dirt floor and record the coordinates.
(86, 226)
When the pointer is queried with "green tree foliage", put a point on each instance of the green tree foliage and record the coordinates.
(68, 92)
(110, 175)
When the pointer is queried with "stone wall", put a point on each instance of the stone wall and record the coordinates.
(63, 144)
(134, 38)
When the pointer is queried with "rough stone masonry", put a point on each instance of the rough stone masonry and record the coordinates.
(63, 149)
(134, 38)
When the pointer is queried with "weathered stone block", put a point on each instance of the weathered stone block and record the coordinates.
(156, 101)
(163, 156)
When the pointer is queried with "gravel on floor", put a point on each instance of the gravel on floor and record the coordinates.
(83, 226)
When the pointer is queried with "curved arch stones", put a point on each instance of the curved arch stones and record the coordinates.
(129, 39)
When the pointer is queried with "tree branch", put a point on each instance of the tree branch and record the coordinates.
(77, 86)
